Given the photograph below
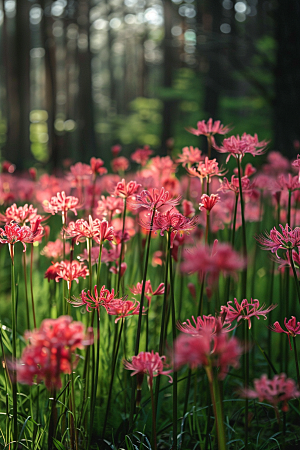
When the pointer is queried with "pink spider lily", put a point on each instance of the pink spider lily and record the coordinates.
(279, 389)
(97, 166)
(154, 199)
(51, 351)
(288, 239)
(55, 249)
(189, 156)
(13, 233)
(207, 349)
(93, 301)
(21, 214)
(202, 324)
(146, 363)
(61, 203)
(238, 146)
(93, 229)
(148, 289)
(172, 221)
(292, 326)
(245, 310)
(208, 201)
(233, 185)
(206, 168)
(141, 155)
(124, 190)
(71, 271)
(123, 308)
(209, 128)
(119, 164)
(109, 206)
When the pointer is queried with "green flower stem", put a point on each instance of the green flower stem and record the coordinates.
(26, 292)
(228, 280)
(89, 244)
(154, 441)
(64, 306)
(296, 362)
(174, 337)
(112, 378)
(99, 264)
(93, 401)
(122, 245)
(14, 346)
(246, 378)
(217, 407)
(200, 304)
(31, 285)
(294, 273)
(244, 273)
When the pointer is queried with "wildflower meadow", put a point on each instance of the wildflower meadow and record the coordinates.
(153, 304)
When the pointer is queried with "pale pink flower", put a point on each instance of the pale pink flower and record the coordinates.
(71, 271)
(148, 289)
(288, 239)
(80, 174)
(141, 155)
(146, 363)
(162, 166)
(21, 214)
(51, 351)
(124, 190)
(119, 164)
(55, 249)
(206, 168)
(279, 389)
(210, 128)
(61, 203)
(109, 206)
(93, 229)
(208, 201)
(238, 146)
(245, 310)
(189, 156)
(154, 199)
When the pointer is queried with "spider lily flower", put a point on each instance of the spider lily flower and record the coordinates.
(288, 239)
(13, 233)
(71, 271)
(205, 169)
(93, 229)
(153, 199)
(61, 203)
(205, 323)
(237, 146)
(233, 185)
(209, 201)
(93, 301)
(146, 363)
(279, 389)
(209, 128)
(245, 310)
(189, 156)
(21, 215)
(51, 351)
(97, 166)
(124, 190)
(119, 164)
(141, 155)
(148, 289)
(292, 326)
(123, 308)
(55, 249)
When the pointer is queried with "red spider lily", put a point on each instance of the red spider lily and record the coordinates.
(239, 146)
(148, 289)
(141, 155)
(52, 271)
(13, 233)
(288, 239)
(146, 363)
(245, 310)
(205, 323)
(206, 349)
(71, 271)
(119, 164)
(21, 214)
(109, 206)
(123, 308)
(234, 185)
(100, 298)
(97, 166)
(61, 203)
(189, 156)
(172, 221)
(93, 229)
(290, 183)
(209, 201)
(55, 249)
(51, 351)
(124, 190)
(291, 325)
(210, 128)
(279, 389)
(154, 199)
(213, 260)
(208, 168)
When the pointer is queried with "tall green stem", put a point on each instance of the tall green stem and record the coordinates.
(244, 273)
(14, 345)
(31, 285)
(122, 245)
(296, 362)
(26, 292)
(294, 273)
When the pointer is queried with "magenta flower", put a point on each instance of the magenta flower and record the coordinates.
(206, 323)
(288, 239)
(93, 301)
(146, 363)
(245, 310)
(293, 328)
(239, 146)
(210, 128)
(234, 186)
(148, 289)
(280, 389)
(123, 308)
(154, 199)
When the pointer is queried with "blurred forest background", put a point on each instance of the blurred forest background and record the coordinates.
(79, 76)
